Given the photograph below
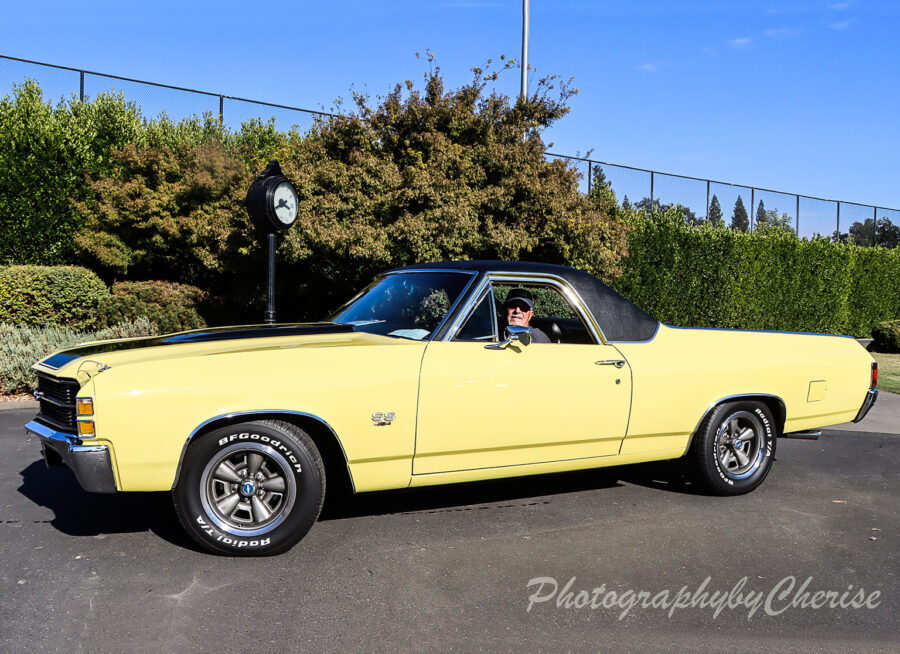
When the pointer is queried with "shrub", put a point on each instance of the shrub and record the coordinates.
(45, 151)
(44, 296)
(166, 213)
(886, 336)
(421, 175)
(22, 346)
(169, 306)
(714, 277)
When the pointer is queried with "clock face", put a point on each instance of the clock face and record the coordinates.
(284, 201)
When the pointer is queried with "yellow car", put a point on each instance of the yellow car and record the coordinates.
(434, 374)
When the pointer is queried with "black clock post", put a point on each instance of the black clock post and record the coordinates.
(272, 205)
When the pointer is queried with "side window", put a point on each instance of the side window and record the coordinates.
(480, 325)
(553, 316)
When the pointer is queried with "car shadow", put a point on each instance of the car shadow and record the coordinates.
(79, 513)
(665, 476)
(670, 476)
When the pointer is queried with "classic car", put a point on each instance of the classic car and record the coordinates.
(419, 380)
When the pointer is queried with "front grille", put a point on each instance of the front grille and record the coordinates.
(57, 398)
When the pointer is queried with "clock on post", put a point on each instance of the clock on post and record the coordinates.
(272, 204)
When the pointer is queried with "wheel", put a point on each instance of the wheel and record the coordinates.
(250, 489)
(733, 450)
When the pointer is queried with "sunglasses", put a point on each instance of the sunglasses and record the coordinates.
(521, 306)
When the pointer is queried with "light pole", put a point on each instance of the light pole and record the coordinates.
(523, 93)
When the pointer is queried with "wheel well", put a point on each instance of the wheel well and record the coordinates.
(773, 403)
(337, 474)
(776, 406)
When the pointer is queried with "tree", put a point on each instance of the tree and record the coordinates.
(167, 214)
(45, 151)
(772, 221)
(599, 177)
(418, 175)
(863, 233)
(626, 203)
(715, 212)
(432, 174)
(887, 234)
(760, 213)
(690, 218)
(739, 219)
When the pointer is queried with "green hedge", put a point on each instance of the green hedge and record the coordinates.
(22, 346)
(171, 307)
(714, 277)
(42, 296)
(886, 336)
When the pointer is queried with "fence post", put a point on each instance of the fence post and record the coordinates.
(874, 225)
(81, 85)
(651, 190)
(222, 108)
(798, 215)
(707, 200)
(839, 220)
(752, 207)
(590, 175)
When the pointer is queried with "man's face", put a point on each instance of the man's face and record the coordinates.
(518, 313)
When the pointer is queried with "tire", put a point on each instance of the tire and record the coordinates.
(250, 489)
(734, 448)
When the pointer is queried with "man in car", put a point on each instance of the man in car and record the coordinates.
(519, 307)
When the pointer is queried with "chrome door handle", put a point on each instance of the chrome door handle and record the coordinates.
(618, 363)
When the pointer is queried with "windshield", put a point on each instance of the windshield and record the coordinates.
(408, 305)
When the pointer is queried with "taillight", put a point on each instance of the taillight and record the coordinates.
(874, 374)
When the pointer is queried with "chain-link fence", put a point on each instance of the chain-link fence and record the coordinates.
(61, 83)
(807, 216)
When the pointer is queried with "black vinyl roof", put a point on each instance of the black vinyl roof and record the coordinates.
(619, 319)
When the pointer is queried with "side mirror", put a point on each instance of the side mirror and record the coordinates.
(512, 333)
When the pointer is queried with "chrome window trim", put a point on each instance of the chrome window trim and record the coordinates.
(237, 414)
(571, 295)
(466, 310)
(494, 312)
(480, 296)
(740, 396)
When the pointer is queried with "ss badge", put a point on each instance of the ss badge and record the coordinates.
(383, 418)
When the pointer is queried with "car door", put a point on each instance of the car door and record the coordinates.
(518, 405)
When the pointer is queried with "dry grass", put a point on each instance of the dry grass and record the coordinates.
(888, 371)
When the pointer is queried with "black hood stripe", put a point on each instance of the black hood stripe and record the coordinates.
(200, 336)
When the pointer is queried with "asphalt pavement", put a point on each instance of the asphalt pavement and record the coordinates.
(619, 559)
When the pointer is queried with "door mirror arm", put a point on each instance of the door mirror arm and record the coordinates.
(516, 333)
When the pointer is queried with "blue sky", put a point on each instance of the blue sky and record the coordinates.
(795, 96)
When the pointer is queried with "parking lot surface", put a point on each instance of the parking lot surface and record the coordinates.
(618, 559)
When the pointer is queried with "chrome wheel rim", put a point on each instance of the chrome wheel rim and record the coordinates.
(739, 444)
(248, 489)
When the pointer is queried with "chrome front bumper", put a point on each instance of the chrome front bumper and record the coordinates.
(90, 463)
(871, 396)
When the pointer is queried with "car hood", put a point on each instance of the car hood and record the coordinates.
(100, 355)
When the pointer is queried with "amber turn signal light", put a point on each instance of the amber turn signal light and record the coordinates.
(84, 406)
(86, 428)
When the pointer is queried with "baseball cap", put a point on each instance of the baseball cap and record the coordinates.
(520, 295)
